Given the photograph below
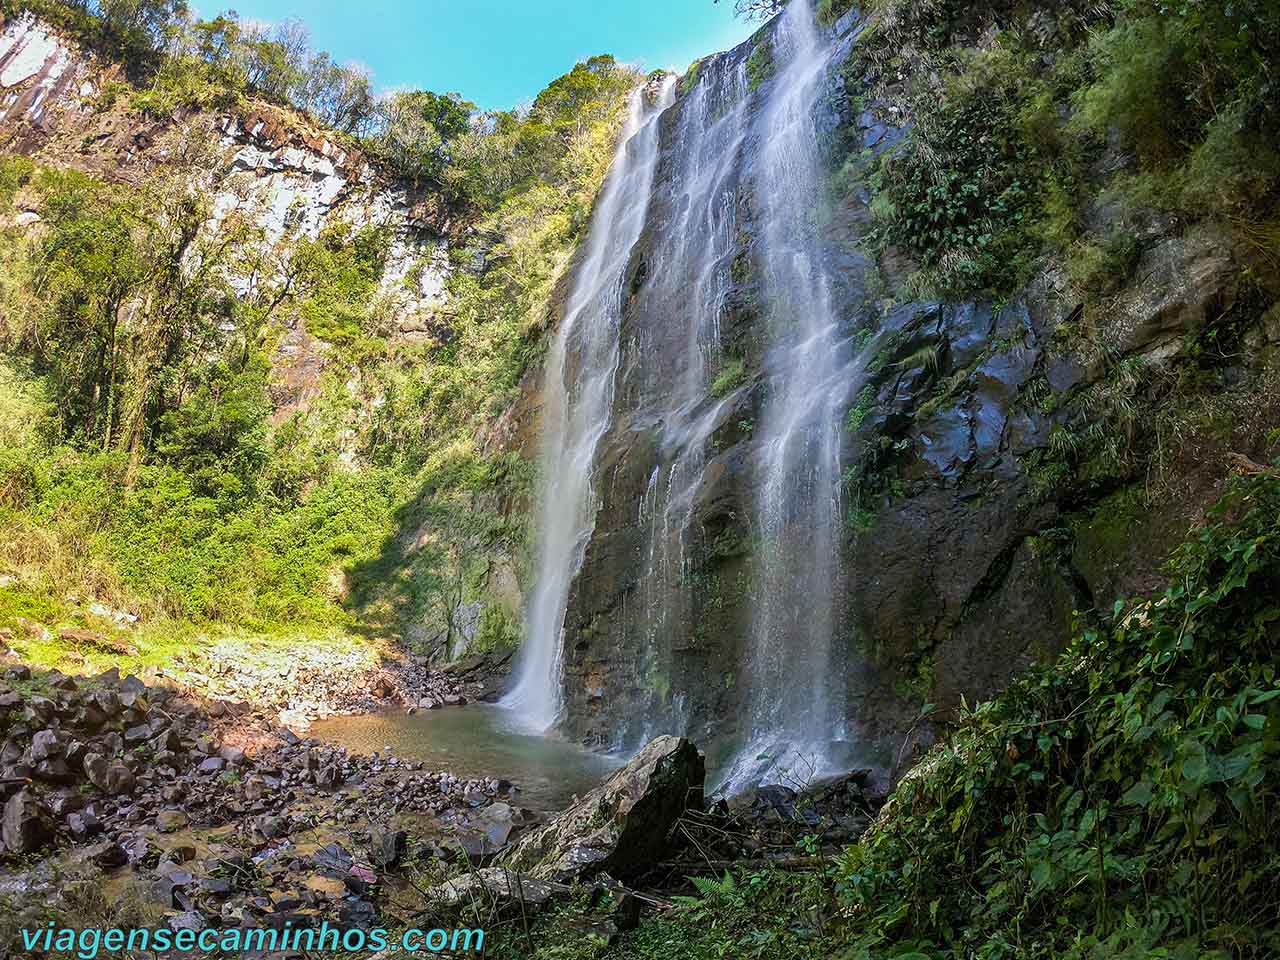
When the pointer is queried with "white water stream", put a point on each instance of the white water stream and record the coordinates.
(578, 402)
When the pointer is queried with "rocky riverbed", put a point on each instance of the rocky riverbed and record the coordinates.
(213, 813)
(300, 682)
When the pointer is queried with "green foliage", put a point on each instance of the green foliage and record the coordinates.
(690, 78)
(133, 31)
(1191, 88)
(419, 131)
(829, 11)
(507, 154)
(157, 474)
(119, 295)
(756, 913)
(1101, 267)
(760, 65)
(498, 629)
(15, 173)
(161, 542)
(1116, 804)
(994, 175)
(732, 374)
(218, 435)
(963, 197)
(861, 409)
(336, 276)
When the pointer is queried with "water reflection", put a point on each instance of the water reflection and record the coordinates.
(478, 741)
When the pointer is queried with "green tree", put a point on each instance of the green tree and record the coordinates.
(418, 128)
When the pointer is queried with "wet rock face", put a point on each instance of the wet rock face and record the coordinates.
(970, 567)
(655, 626)
(962, 566)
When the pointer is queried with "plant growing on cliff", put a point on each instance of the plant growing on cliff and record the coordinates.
(760, 65)
(335, 278)
(732, 374)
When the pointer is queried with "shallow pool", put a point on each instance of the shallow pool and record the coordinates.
(478, 740)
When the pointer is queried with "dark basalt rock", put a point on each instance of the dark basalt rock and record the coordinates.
(26, 826)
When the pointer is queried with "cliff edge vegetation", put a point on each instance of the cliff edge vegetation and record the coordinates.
(217, 418)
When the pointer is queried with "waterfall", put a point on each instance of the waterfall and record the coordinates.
(577, 406)
(673, 358)
(794, 707)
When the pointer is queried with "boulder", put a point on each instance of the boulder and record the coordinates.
(120, 780)
(386, 846)
(105, 853)
(329, 777)
(95, 768)
(211, 765)
(25, 827)
(620, 827)
(83, 824)
(233, 755)
(46, 744)
(167, 741)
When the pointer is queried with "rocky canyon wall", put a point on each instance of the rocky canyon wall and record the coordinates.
(271, 167)
(980, 520)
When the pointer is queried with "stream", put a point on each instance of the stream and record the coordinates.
(478, 740)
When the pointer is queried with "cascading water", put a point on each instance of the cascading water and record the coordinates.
(794, 704)
(578, 402)
(673, 358)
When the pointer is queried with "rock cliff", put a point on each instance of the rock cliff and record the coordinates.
(1009, 466)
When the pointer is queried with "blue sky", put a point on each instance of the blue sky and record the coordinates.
(500, 53)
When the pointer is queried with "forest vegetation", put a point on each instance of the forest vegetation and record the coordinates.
(144, 469)
(1117, 801)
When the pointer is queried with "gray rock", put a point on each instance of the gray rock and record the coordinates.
(107, 854)
(132, 684)
(64, 802)
(46, 744)
(95, 768)
(120, 780)
(272, 827)
(386, 846)
(620, 827)
(167, 741)
(83, 824)
(497, 887)
(54, 770)
(25, 827)
(233, 755)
